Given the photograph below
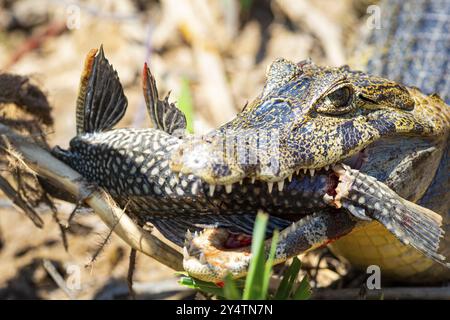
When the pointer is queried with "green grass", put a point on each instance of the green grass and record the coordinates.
(256, 284)
(246, 5)
(185, 104)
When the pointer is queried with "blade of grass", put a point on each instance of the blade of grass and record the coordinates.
(253, 284)
(185, 105)
(303, 291)
(269, 264)
(289, 277)
(230, 290)
(207, 287)
(246, 5)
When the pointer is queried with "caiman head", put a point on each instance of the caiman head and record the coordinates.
(310, 117)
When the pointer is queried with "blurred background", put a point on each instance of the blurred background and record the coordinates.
(212, 56)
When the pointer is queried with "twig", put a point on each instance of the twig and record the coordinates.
(15, 197)
(59, 280)
(131, 267)
(424, 293)
(36, 41)
(303, 12)
(65, 178)
(100, 249)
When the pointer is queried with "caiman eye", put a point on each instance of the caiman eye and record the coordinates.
(337, 102)
(340, 98)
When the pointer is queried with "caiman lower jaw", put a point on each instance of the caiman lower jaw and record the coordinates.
(209, 256)
(206, 255)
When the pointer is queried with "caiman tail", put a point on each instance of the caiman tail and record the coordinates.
(411, 46)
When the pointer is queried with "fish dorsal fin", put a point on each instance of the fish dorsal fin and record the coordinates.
(165, 116)
(101, 102)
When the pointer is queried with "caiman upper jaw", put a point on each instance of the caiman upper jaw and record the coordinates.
(202, 158)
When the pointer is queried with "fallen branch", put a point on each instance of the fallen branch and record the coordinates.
(65, 178)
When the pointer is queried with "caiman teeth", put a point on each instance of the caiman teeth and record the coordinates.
(290, 177)
(327, 167)
(304, 170)
(311, 172)
(202, 258)
(270, 186)
(185, 253)
(252, 180)
(228, 188)
(338, 168)
(293, 227)
(188, 236)
(280, 185)
(212, 187)
(328, 199)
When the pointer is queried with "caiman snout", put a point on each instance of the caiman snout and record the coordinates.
(207, 158)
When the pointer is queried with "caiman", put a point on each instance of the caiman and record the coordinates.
(323, 150)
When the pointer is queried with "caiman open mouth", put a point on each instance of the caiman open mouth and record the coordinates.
(209, 253)
(336, 186)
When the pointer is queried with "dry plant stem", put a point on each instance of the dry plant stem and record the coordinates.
(64, 177)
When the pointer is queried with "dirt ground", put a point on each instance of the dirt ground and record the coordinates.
(215, 52)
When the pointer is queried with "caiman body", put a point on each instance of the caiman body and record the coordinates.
(318, 116)
(411, 47)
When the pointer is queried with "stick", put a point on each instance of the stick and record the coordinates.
(59, 280)
(65, 178)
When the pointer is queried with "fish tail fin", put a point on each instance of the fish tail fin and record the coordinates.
(414, 225)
